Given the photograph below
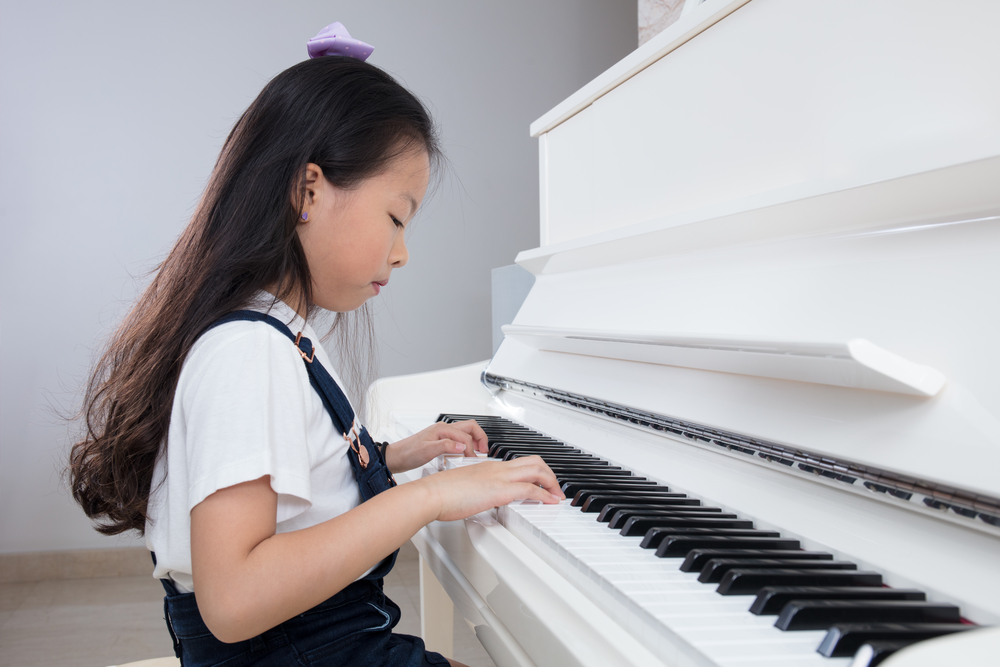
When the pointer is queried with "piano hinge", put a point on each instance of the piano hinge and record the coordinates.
(950, 501)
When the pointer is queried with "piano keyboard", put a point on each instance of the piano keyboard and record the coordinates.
(739, 595)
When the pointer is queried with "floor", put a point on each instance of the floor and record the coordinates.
(108, 621)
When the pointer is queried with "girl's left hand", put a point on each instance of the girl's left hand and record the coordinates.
(460, 438)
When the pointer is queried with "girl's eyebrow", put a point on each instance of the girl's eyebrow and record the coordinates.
(411, 201)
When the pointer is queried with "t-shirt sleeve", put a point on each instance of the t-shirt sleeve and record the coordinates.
(244, 403)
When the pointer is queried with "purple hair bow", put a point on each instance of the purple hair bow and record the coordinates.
(334, 40)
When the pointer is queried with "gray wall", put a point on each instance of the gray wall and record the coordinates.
(112, 114)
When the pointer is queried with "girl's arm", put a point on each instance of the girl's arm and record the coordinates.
(249, 579)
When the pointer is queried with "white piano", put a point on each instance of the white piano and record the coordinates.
(768, 277)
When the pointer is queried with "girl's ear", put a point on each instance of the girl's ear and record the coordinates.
(310, 193)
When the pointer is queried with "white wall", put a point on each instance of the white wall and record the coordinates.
(111, 116)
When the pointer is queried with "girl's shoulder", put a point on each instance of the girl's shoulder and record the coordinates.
(248, 345)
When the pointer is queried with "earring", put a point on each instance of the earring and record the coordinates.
(305, 216)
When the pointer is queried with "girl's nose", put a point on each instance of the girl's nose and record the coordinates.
(399, 255)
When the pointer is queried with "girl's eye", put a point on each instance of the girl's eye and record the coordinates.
(395, 221)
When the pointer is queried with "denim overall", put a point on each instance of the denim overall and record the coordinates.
(354, 627)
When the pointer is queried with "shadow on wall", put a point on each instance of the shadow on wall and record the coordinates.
(511, 285)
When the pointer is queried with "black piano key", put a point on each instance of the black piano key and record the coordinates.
(525, 441)
(821, 614)
(589, 468)
(585, 465)
(656, 537)
(553, 458)
(532, 445)
(716, 568)
(619, 513)
(519, 439)
(695, 561)
(481, 419)
(595, 465)
(874, 653)
(602, 475)
(678, 546)
(771, 600)
(595, 502)
(572, 488)
(549, 460)
(502, 450)
(749, 581)
(640, 524)
(500, 447)
(844, 639)
(507, 431)
(601, 478)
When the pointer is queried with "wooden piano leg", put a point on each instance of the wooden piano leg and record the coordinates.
(437, 613)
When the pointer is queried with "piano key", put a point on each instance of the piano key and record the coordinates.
(750, 581)
(771, 600)
(821, 614)
(552, 458)
(844, 639)
(571, 489)
(600, 478)
(641, 524)
(655, 537)
(602, 475)
(532, 444)
(619, 513)
(501, 450)
(524, 440)
(586, 467)
(716, 568)
(678, 546)
(696, 560)
(874, 653)
(595, 502)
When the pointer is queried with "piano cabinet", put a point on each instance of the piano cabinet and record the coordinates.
(770, 240)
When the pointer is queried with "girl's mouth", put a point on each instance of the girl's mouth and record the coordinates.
(379, 285)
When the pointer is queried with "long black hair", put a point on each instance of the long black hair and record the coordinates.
(346, 116)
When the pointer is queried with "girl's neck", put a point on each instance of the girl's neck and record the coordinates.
(292, 298)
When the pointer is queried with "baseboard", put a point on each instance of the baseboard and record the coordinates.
(87, 563)
(76, 564)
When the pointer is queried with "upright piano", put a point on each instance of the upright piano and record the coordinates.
(764, 343)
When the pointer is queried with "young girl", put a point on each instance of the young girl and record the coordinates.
(215, 423)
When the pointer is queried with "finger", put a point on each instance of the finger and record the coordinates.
(539, 473)
(477, 436)
(458, 434)
(449, 446)
(528, 491)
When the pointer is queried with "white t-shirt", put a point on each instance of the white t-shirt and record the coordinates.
(243, 409)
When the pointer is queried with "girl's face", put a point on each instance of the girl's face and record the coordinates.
(353, 239)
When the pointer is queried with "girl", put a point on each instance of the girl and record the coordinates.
(214, 422)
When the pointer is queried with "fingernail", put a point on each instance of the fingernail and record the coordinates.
(555, 497)
(459, 447)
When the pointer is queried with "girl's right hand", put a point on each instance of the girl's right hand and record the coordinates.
(468, 490)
